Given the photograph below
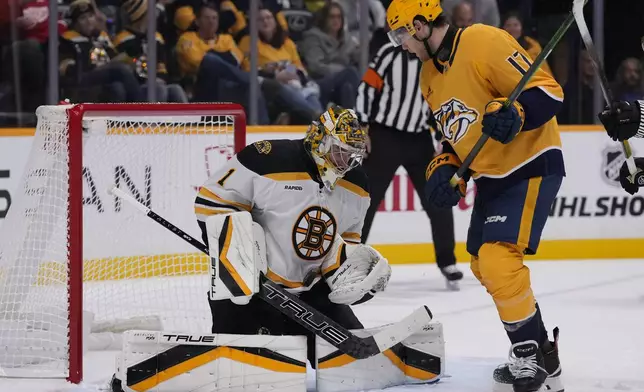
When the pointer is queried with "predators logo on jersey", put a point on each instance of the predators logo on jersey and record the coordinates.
(454, 119)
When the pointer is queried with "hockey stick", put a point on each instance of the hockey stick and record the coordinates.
(578, 11)
(304, 314)
(513, 96)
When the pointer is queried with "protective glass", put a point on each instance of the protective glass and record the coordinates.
(399, 36)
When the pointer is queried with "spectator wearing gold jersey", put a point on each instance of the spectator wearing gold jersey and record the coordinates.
(513, 24)
(133, 41)
(215, 61)
(89, 61)
(183, 15)
(278, 59)
(332, 57)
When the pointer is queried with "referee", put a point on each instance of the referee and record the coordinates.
(390, 102)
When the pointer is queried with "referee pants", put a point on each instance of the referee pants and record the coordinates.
(390, 149)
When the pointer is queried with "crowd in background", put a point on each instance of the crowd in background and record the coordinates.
(308, 53)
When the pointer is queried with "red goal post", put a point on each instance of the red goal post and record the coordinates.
(71, 256)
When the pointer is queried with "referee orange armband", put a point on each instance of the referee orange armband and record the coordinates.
(445, 158)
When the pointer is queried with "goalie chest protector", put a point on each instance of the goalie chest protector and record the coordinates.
(274, 180)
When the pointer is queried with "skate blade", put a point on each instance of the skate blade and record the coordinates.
(452, 285)
(508, 388)
(554, 384)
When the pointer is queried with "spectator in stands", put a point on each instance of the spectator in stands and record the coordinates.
(29, 46)
(278, 59)
(214, 60)
(88, 60)
(463, 15)
(578, 105)
(628, 81)
(513, 24)
(133, 42)
(485, 11)
(331, 56)
(182, 14)
(275, 6)
(377, 17)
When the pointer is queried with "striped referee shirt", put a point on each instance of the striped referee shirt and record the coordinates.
(389, 93)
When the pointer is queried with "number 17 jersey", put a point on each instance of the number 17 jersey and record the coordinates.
(486, 63)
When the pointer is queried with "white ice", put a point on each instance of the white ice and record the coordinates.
(598, 305)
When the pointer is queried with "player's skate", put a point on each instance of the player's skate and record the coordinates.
(526, 370)
(504, 378)
(453, 276)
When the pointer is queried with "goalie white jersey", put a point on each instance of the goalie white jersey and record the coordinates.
(274, 181)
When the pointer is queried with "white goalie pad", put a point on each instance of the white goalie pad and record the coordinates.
(176, 362)
(237, 250)
(419, 359)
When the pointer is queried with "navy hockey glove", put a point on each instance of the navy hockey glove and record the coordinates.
(622, 120)
(628, 186)
(438, 190)
(503, 124)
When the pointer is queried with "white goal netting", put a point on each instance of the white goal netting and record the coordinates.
(132, 267)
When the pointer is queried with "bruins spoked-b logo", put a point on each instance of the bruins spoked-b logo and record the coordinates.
(454, 119)
(313, 233)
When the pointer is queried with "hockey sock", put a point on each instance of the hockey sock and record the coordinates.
(529, 329)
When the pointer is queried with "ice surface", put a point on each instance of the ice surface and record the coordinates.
(598, 305)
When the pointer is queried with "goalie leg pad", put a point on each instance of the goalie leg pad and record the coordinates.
(176, 362)
(237, 252)
(418, 359)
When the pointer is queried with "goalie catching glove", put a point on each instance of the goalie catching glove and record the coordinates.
(362, 273)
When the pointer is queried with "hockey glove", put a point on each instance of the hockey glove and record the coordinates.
(628, 186)
(362, 273)
(503, 124)
(622, 120)
(438, 190)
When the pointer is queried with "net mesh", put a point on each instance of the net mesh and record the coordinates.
(132, 267)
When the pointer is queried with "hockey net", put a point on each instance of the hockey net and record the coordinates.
(75, 261)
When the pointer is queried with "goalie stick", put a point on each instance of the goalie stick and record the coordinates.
(513, 97)
(304, 314)
(637, 176)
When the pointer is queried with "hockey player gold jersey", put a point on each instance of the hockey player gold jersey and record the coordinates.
(466, 76)
(485, 63)
(274, 181)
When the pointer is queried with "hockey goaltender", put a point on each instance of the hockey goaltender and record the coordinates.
(289, 212)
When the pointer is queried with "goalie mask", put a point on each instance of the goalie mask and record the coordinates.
(337, 144)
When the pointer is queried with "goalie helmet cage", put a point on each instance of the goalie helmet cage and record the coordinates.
(66, 244)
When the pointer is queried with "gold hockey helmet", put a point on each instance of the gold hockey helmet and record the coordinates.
(402, 13)
(337, 143)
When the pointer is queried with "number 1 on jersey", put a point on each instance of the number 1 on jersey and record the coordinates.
(225, 177)
(520, 62)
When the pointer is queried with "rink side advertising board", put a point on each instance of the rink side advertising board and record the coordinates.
(592, 216)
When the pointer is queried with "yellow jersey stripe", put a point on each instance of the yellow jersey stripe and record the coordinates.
(208, 194)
